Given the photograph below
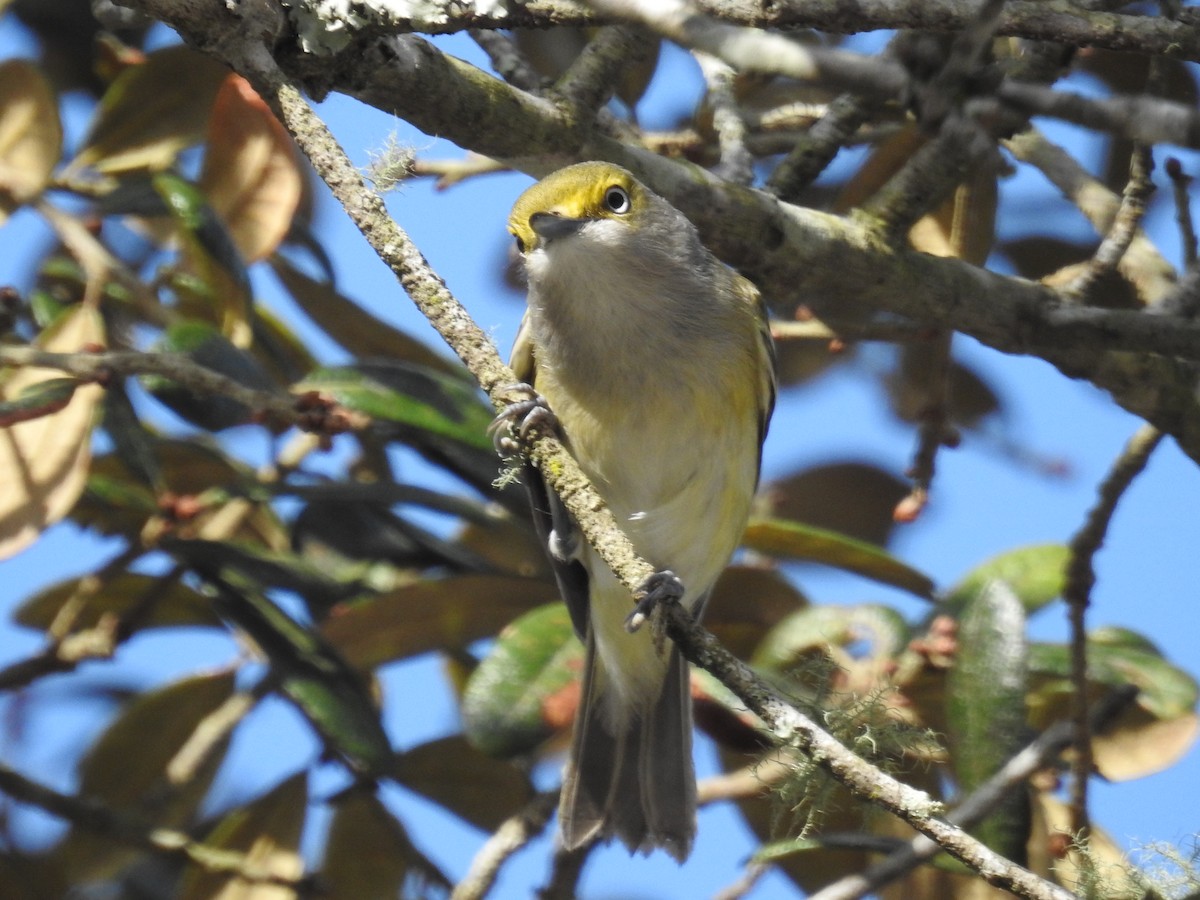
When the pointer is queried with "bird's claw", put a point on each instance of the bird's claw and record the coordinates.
(660, 587)
(515, 424)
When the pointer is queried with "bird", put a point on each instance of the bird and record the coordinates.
(655, 362)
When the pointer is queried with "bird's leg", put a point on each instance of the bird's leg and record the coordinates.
(511, 431)
(659, 587)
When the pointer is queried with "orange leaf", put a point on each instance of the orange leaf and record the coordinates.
(251, 176)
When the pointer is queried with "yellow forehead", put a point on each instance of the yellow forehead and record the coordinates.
(576, 192)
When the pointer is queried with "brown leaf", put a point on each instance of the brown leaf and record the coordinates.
(44, 461)
(368, 853)
(962, 226)
(126, 769)
(174, 604)
(431, 615)
(852, 498)
(151, 112)
(745, 603)
(1139, 744)
(267, 831)
(30, 134)
(251, 176)
(355, 329)
(478, 788)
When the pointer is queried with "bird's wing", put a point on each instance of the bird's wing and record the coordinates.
(549, 514)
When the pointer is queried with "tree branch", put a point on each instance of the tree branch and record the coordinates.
(310, 415)
(101, 819)
(972, 810)
(1055, 21)
(1081, 576)
(513, 834)
(791, 727)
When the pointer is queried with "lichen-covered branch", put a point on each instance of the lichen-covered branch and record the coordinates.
(794, 728)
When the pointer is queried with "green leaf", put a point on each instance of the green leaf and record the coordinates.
(794, 540)
(817, 627)
(986, 707)
(265, 568)
(203, 344)
(521, 694)
(201, 225)
(43, 398)
(330, 694)
(1036, 574)
(413, 396)
(1166, 691)
(369, 854)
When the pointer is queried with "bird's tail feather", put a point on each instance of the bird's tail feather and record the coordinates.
(630, 772)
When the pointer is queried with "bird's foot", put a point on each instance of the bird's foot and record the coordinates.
(515, 425)
(659, 588)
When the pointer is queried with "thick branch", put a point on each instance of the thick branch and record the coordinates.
(1056, 21)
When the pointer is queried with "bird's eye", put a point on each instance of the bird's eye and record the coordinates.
(616, 198)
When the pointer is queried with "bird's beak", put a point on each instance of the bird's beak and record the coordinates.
(550, 226)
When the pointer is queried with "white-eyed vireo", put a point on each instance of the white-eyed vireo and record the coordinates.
(656, 361)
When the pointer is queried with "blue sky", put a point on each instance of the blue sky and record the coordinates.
(983, 504)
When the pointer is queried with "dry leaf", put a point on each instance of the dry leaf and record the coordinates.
(251, 176)
(30, 134)
(44, 461)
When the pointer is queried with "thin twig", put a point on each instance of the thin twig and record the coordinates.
(1141, 264)
(180, 369)
(514, 833)
(1181, 183)
(1125, 226)
(812, 328)
(932, 361)
(1081, 576)
(736, 163)
(566, 868)
(507, 60)
(591, 79)
(749, 879)
(818, 146)
(129, 829)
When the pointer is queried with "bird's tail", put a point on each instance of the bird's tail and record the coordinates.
(630, 771)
